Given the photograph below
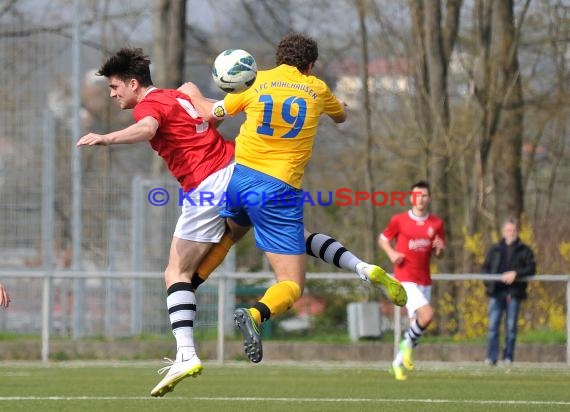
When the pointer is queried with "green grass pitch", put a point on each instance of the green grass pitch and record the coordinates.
(268, 387)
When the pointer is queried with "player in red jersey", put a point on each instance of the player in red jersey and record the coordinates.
(199, 158)
(417, 234)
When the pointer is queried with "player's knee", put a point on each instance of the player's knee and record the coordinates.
(425, 316)
(173, 274)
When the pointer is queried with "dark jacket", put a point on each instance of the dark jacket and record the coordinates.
(521, 261)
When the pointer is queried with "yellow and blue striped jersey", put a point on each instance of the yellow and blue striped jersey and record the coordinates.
(282, 109)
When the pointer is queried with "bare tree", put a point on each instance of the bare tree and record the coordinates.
(169, 25)
(169, 21)
(507, 146)
(369, 244)
(560, 101)
(434, 38)
(498, 90)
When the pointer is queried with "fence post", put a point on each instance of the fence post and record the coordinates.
(137, 245)
(78, 316)
(48, 184)
(222, 283)
(397, 328)
(46, 312)
(110, 307)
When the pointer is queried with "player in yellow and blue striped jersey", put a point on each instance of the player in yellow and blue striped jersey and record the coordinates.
(275, 142)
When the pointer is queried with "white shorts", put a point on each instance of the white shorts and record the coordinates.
(200, 220)
(418, 296)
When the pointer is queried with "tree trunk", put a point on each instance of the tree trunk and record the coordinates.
(507, 148)
(498, 90)
(421, 97)
(370, 244)
(169, 25)
(484, 88)
(434, 45)
(439, 42)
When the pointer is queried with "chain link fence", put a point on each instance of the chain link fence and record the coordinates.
(42, 208)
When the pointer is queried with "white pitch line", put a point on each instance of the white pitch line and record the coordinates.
(75, 398)
(382, 400)
(257, 399)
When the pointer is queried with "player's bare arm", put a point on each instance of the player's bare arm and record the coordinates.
(143, 130)
(439, 247)
(340, 118)
(4, 297)
(395, 257)
(202, 104)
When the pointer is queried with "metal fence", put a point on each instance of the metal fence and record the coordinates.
(81, 248)
(40, 307)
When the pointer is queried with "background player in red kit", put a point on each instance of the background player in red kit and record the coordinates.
(417, 234)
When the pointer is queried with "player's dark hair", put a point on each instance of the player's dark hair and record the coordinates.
(422, 184)
(128, 63)
(298, 50)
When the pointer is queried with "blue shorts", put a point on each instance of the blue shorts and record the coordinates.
(274, 208)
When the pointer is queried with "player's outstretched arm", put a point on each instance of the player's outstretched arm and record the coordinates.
(4, 297)
(340, 117)
(143, 130)
(395, 257)
(202, 104)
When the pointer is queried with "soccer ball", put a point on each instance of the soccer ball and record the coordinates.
(234, 70)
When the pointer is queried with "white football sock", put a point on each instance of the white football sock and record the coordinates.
(331, 251)
(181, 303)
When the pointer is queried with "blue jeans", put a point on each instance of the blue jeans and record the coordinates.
(503, 302)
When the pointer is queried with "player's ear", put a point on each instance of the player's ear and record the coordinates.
(133, 84)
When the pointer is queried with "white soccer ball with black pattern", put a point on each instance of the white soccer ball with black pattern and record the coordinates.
(234, 70)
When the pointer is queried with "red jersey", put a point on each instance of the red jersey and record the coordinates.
(414, 236)
(192, 148)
